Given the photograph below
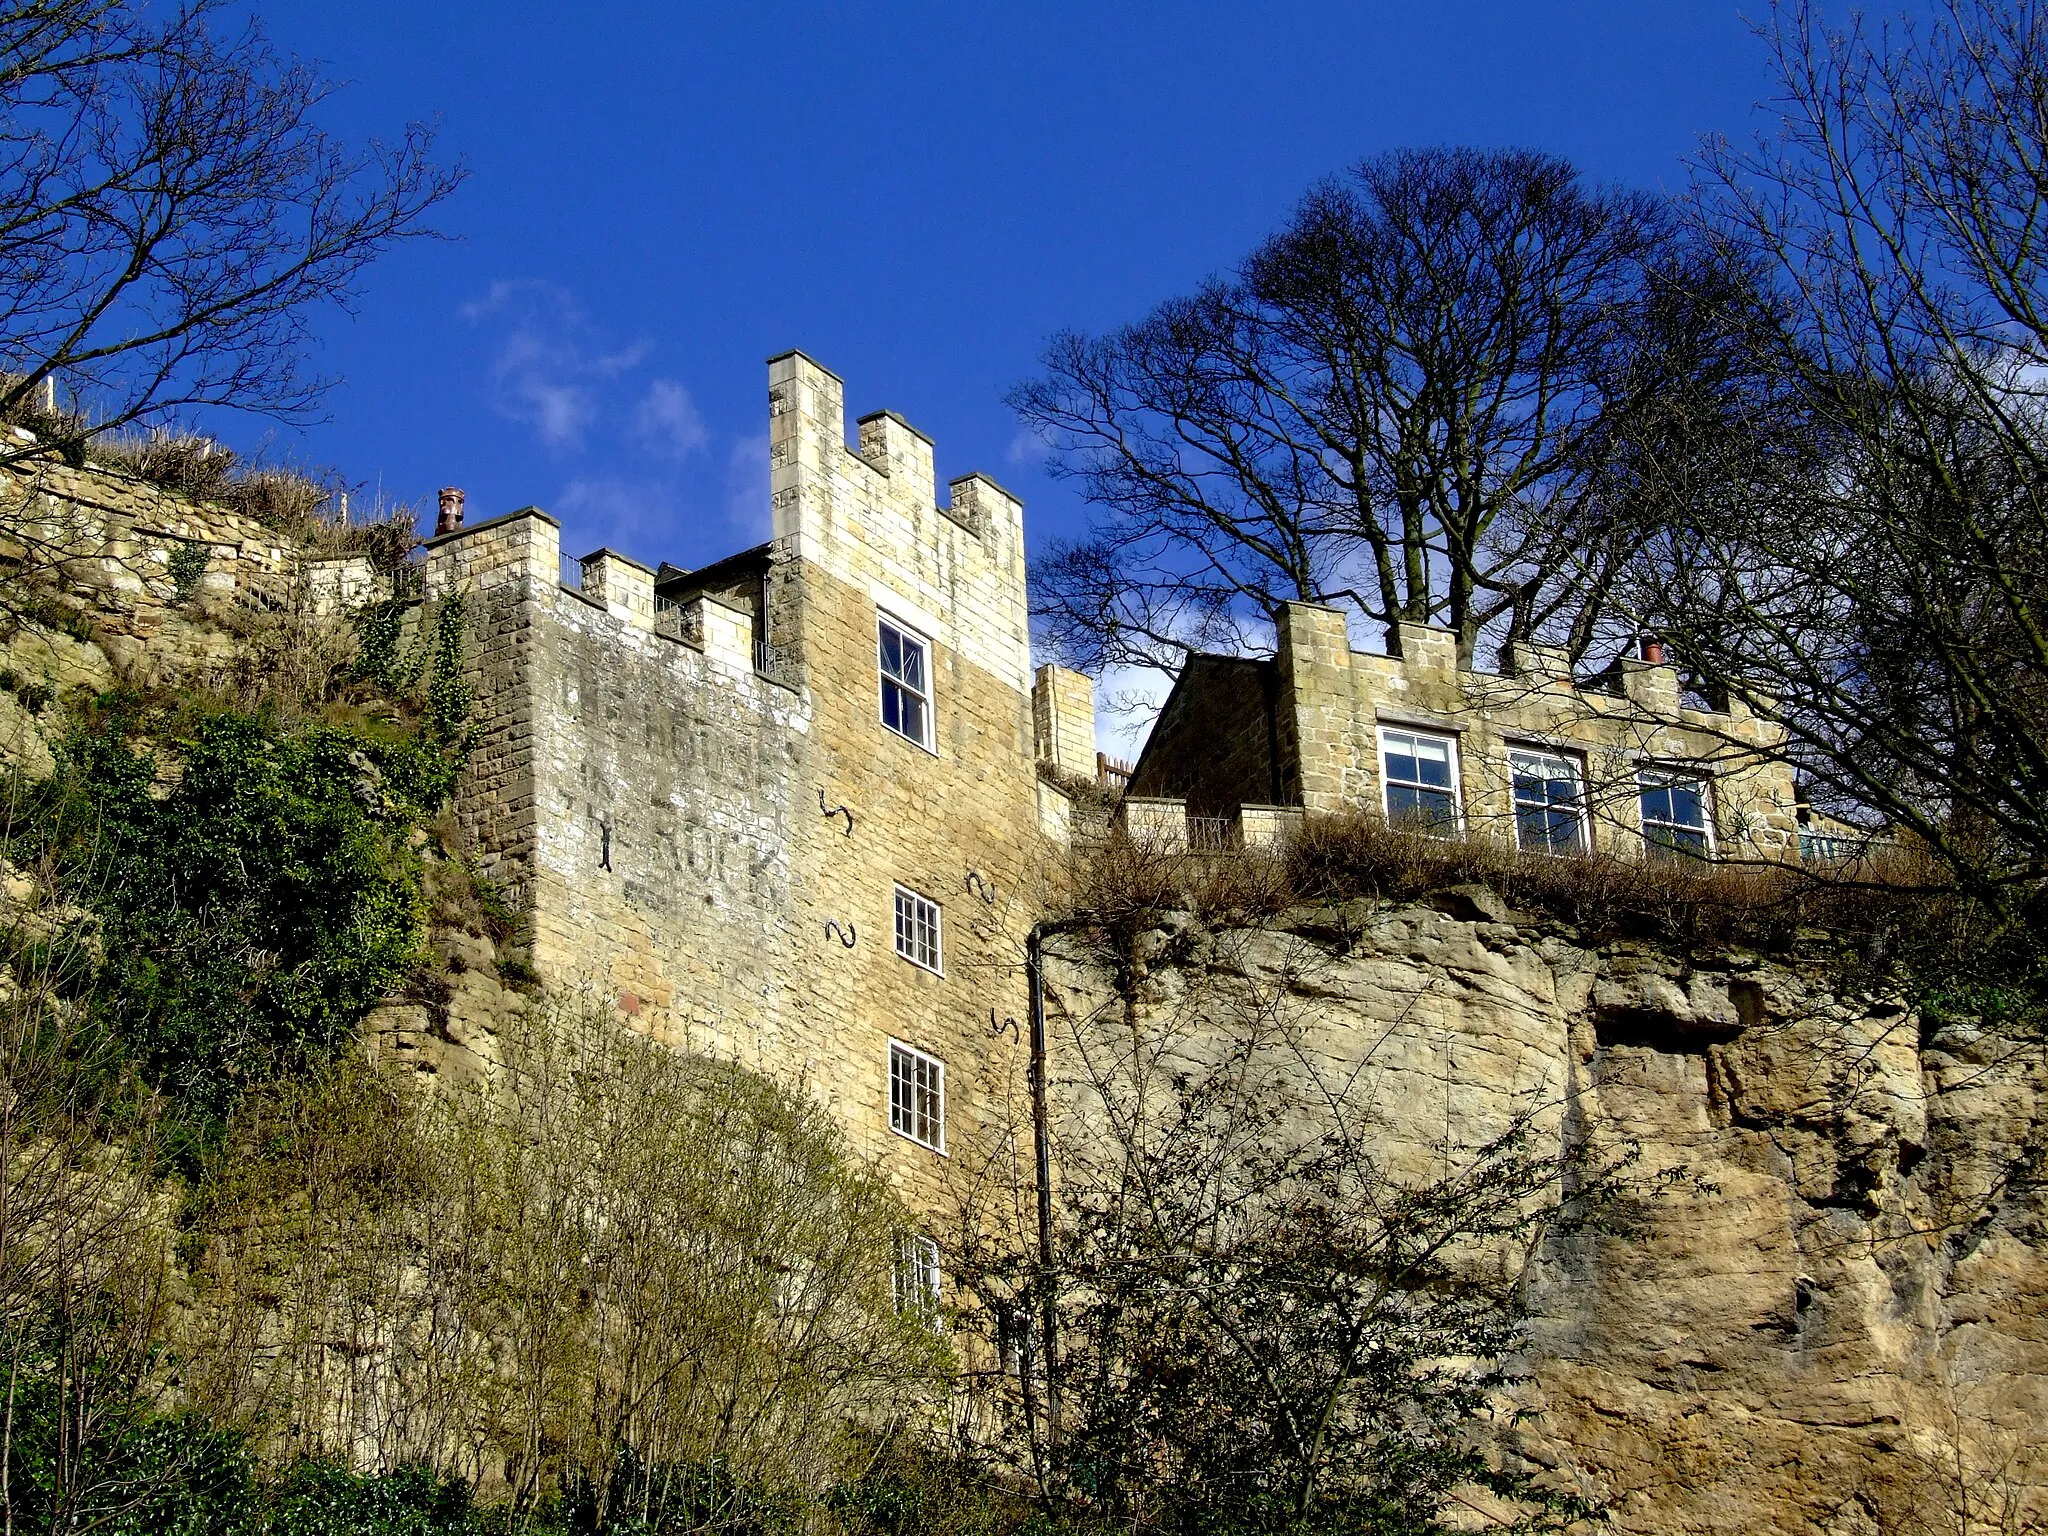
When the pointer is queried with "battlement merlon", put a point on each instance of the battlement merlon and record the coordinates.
(524, 545)
(724, 633)
(987, 510)
(897, 449)
(624, 586)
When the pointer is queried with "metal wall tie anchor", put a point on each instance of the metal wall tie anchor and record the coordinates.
(996, 1026)
(829, 811)
(845, 935)
(979, 887)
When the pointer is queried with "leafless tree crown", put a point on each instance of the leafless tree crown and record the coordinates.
(1866, 556)
(173, 216)
(1416, 401)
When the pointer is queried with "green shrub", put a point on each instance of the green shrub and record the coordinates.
(664, 1499)
(255, 909)
(143, 1472)
(381, 654)
(324, 1498)
(187, 564)
(82, 1460)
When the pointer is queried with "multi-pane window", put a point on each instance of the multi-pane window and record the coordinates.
(1674, 806)
(1012, 1340)
(917, 929)
(1825, 848)
(917, 1275)
(906, 682)
(1420, 773)
(1549, 802)
(917, 1096)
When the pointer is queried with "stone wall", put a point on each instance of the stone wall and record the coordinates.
(1216, 741)
(637, 787)
(860, 536)
(1063, 720)
(715, 848)
(89, 549)
(1838, 1324)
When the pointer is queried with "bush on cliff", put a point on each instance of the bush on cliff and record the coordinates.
(255, 871)
(253, 881)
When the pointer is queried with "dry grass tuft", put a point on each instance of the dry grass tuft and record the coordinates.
(1876, 909)
(1680, 901)
(299, 503)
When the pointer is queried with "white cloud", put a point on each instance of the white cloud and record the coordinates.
(1127, 702)
(625, 515)
(550, 363)
(1026, 447)
(668, 422)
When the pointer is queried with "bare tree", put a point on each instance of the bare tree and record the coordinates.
(612, 1252)
(1413, 401)
(172, 219)
(1277, 1302)
(1865, 553)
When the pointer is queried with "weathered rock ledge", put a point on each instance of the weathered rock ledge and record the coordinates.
(1840, 1324)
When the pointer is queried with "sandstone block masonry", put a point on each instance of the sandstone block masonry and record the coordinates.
(785, 807)
(1535, 756)
(101, 545)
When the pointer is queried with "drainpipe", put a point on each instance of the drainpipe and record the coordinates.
(1034, 972)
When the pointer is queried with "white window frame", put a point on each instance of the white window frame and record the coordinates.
(1826, 848)
(917, 1281)
(907, 943)
(1577, 766)
(1450, 741)
(1676, 774)
(908, 634)
(903, 1115)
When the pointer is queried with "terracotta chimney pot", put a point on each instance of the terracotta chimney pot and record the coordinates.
(451, 510)
(1653, 650)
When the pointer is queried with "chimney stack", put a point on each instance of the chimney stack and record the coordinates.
(1652, 647)
(451, 510)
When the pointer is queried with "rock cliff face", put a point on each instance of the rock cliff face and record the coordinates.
(1838, 1324)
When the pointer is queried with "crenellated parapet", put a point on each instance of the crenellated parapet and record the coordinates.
(868, 515)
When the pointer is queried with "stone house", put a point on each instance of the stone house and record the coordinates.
(1549, 762)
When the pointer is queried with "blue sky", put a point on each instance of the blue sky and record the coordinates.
(916, 195)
